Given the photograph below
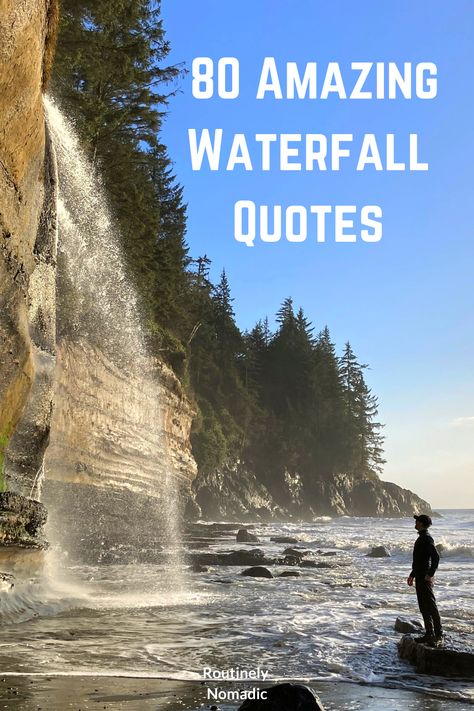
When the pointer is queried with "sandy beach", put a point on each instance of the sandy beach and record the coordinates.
(27, 693)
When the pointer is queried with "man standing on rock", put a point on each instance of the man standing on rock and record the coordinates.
(425, 564)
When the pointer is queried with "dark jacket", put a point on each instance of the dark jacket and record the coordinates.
(425, 556)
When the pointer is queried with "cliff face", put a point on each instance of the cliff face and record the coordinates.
(27, 241)
(234, 492)
(107, 430)
(112, 450)
(115, 443)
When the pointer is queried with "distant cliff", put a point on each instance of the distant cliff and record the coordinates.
(235, 492)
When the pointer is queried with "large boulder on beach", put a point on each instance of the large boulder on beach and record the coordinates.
(244, 536)
(379, 552)
(285, 697)
(454, 659)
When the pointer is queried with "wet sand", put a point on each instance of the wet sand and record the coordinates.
(80, 693)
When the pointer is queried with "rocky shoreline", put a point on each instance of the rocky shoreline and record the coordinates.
(454, 659)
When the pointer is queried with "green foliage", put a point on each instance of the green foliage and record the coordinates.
(282, 402)
(110, 76)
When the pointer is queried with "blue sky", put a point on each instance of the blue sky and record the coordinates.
(406, 303)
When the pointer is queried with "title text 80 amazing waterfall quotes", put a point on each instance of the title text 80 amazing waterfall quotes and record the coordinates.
(214, 150)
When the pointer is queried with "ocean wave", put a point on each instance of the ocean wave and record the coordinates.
(36, 598)
(448, 550)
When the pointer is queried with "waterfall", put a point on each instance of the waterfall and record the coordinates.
(98, 308)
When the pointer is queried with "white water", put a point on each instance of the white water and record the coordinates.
(96, 300)
(329, 624)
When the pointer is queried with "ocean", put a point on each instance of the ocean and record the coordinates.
(330, 624)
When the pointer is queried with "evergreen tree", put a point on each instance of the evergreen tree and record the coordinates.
(110, 75)
(362, 441)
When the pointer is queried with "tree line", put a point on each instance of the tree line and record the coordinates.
(280, 401)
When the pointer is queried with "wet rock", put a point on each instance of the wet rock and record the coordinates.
(330, 553)
(192, 510)
(297, 552)
(252, 556)
(454, 659)
(283, 539)
(258, 571)
(312, 564)
(379, 552)
(244, 536)
(405, 626)
(291, 560)
(196, 568)
(21, 520)
(285, 697)
(290, 574)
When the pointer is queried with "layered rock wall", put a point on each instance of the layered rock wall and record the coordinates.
(27, 241)
(108, 429)
(119, 449)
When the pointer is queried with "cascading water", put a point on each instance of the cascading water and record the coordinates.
(99, 307)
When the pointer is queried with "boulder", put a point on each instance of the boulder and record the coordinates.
(196, 568)
(252, 556)
(454, 659)
(258, 571)
(285, 697)
(244, 536)
(297, 552)
(310, 564)
(404, 626)
(283, 539)
(379, 552)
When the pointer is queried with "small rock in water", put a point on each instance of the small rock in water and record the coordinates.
(258, 571)
(284, 539)
(196, 568)
(244, 536)
(379, 552)
(312, 564)
(299, 553)
(403, 625)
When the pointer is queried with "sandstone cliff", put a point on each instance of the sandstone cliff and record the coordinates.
(27, 240)
(115, 443)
